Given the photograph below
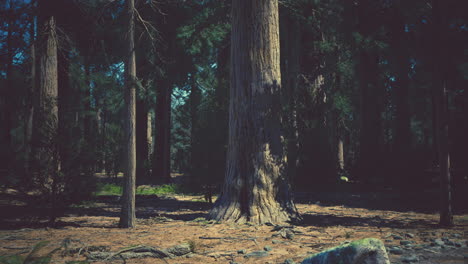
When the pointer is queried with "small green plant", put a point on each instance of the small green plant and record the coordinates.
(348, 234)
(85, 204)
(32, 257)
(193, 245)
(108, 189)
(113, 189)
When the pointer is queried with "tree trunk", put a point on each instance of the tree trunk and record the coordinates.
(290, 62)
(441, 65)
(370, 118)
(87, 105)
(30, 99)
(142, 142)
(256, 188)
(370, 133)
(340, 153)
(127, 217)
(48, 120)
(195, 98)
(161, 165)
(402, 143)
(6, 153)
(149, 136)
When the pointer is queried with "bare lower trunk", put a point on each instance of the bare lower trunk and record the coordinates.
(441, 65)
(6, 153)
(30, 101)
(149, 135)
(340, 154)
(161, 165)
(142, 142)
(256, 188)
(47, 125)
(127, 217)
(290, 37)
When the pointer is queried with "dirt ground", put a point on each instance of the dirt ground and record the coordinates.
(329, 220)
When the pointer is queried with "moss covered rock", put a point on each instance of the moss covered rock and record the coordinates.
(364, 251)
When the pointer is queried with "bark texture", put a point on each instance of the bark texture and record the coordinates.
(162, 161)
(441, 109)
(256, 188)
(127, 217)
(142, 142)
(290, 48)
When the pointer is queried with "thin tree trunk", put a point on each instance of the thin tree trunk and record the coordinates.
(195, 98)
(142, 141)
(371, 126)
(127, 217)
(291, 42)
(370, 118)
(402, 141)
(256, 188)
(149, 135)
(30, 99)
(441, 64)
(87, 104)
(7, 125)
(161, 165)
(340, 153)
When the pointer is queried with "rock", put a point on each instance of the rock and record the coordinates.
(190, 255)
(256, 254)
(365, 251)
(388, 241)
(437, 242)
(241, 251)
(396, 251)
(397, 237)
(289, 234)
(410, 258)
(274, 241)
(214, 255)
(268, 248)
(449, 242)
(180, 250)
(409, 235)
(289, 261)
(405, 242)
(107, 256)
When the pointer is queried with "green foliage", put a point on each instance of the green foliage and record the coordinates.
(113, 189)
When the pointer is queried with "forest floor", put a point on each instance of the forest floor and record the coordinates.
(330, 219)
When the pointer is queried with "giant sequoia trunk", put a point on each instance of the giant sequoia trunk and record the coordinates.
(127, 217)
(256, 188)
